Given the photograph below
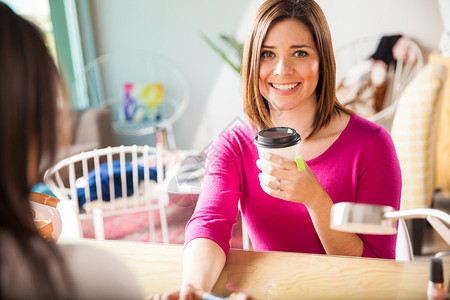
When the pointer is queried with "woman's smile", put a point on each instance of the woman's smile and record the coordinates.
(285, 87)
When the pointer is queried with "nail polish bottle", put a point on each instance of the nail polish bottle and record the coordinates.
(436, 289)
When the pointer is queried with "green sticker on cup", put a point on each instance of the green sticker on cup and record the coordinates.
(300, 163)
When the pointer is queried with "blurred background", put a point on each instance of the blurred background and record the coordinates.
(81, 30)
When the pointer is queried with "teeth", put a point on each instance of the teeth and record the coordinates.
(285, 87)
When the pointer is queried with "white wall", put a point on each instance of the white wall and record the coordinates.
(172, 27)
(417, 19)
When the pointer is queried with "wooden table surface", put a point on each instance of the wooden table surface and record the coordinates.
(279, 275)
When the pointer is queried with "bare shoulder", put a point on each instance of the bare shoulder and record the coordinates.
(322, 140)
(334, 129)
(338, 124)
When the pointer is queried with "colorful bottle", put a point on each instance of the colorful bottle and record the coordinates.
(129, 105)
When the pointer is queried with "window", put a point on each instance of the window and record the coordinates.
(59, 22)
(37, 11)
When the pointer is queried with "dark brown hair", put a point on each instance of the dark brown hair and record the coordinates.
(30, 87)
(308, 13)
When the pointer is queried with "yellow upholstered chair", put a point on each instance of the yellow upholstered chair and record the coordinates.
(414, 132)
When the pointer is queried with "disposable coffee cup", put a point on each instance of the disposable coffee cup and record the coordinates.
(282, 141)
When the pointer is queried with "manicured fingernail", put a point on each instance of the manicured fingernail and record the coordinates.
(300, 163)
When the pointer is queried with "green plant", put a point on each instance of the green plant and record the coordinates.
(231, 42)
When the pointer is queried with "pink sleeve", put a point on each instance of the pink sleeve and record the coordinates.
(380, 183)
(217, 206)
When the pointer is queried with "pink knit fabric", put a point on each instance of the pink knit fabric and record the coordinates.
(360, 166)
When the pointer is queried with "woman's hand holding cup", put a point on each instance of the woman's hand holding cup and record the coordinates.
(284, 174)
(282, 179)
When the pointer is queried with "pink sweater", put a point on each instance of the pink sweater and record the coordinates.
(360, 166)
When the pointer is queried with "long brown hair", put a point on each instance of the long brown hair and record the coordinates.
(309, 13)
(29, 88)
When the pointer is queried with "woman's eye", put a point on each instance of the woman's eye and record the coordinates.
(267, 54)
(300, 53)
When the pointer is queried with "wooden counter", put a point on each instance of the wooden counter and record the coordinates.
(277, 275)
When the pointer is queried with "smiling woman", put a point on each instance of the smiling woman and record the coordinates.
(288, 75)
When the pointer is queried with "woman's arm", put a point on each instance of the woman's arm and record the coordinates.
(203, 260)
(334, 242)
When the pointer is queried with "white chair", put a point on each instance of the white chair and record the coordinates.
(245, 237)
(403, 250)
(355, 52)
(102, 84)
(123, 168)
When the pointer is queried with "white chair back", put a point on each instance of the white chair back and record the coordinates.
(403, 74)
(354, 52)
(126, 167)
(245, 237)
